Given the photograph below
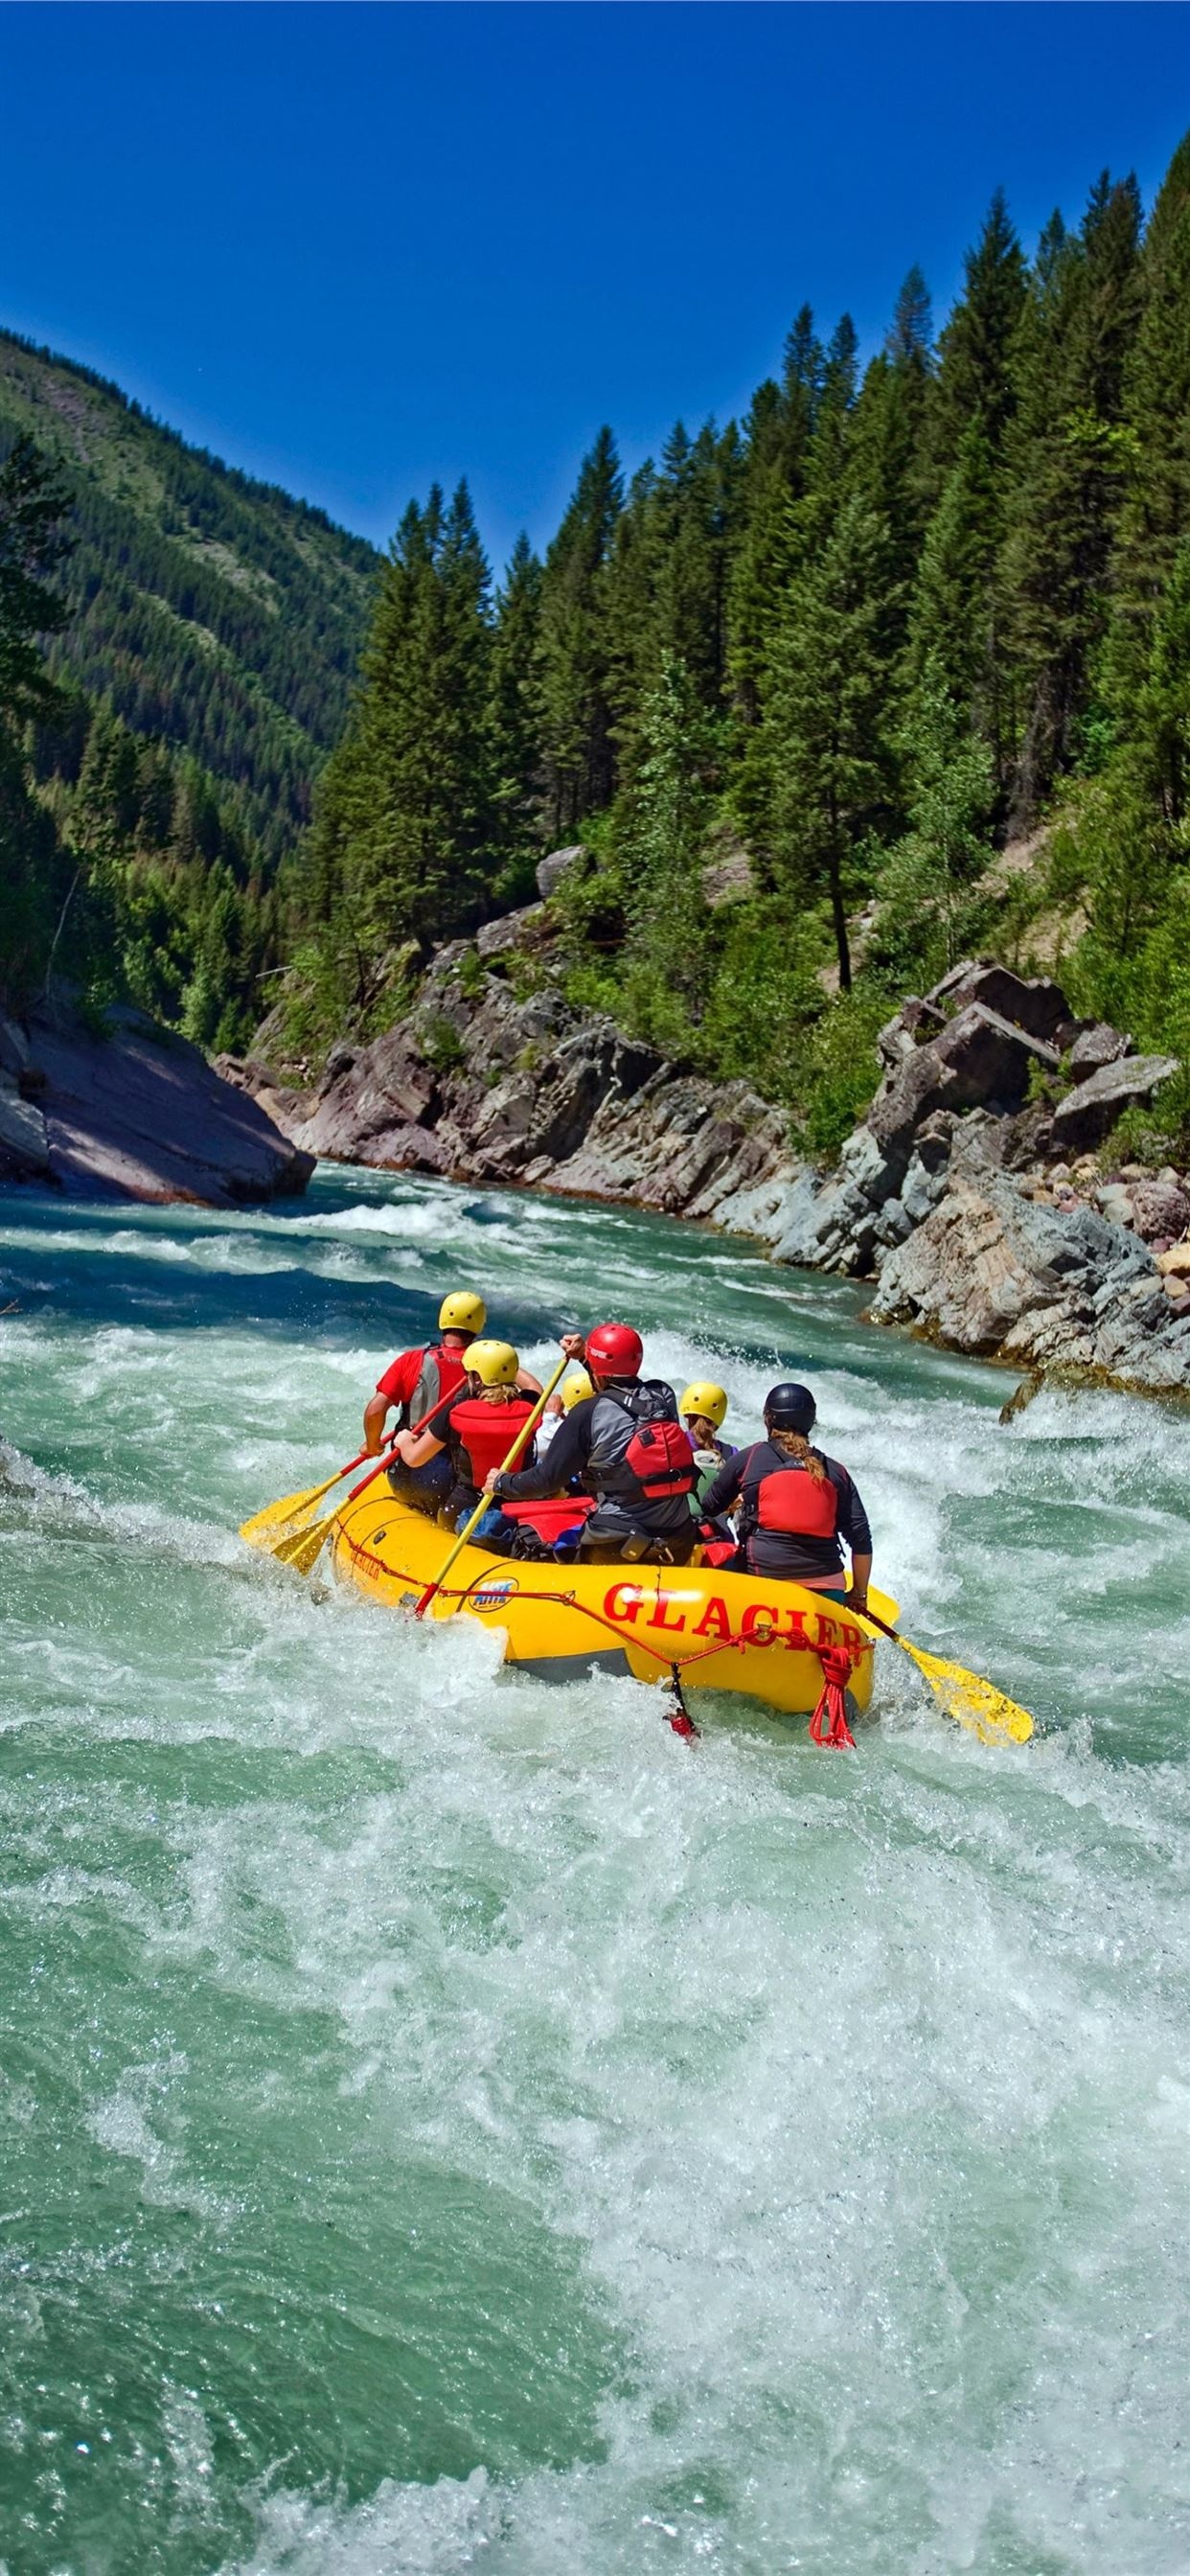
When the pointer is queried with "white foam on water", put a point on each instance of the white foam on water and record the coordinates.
(839, 2093)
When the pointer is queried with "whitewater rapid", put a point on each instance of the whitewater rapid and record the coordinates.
(449, 2123)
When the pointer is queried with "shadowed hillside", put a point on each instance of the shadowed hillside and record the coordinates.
(210, 610)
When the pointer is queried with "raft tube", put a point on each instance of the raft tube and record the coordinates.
(723, 1632)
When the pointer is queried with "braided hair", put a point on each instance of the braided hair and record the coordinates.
(795, 1445)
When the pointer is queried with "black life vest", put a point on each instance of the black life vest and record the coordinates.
(485, 1433)
(639, 1452)
(439, 1372)
(787, 1498)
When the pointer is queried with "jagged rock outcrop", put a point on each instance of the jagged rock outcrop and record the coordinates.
(133, 1112)
(994, 1272)
(939, 1196)
(1088, 1113)
(539, 1096)
(949, 1195)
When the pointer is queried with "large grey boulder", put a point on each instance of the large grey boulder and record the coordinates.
(138, 1113)
(24, 1143)
(558, 864)
(1031, 1003)
(511, 930)
(979, 1057)
(16, 1053)
(1099, 1044)
(838, 1225)
(1088, 1113)
(765, 1207)
(373, 1102)
(994, 1273)
(539, 1115)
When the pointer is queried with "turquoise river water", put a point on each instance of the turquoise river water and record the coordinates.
(447, 2122)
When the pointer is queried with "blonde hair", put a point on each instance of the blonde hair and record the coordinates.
(796, 1445)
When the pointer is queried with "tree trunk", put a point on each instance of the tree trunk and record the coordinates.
(839, 917)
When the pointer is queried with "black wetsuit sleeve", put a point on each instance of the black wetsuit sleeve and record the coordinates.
(854, 1527)
(565, 1457)
(724, 1487)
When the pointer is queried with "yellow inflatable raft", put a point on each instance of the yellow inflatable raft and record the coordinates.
(725, 1632)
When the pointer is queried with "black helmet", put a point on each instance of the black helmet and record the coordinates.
(790, 1408)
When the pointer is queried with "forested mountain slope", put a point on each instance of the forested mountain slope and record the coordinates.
(209, 610)
(806, 686)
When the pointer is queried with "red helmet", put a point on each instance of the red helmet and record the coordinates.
(614, 1350)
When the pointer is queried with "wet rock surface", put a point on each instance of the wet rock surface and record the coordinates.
(969, 1194)
(133, 1113)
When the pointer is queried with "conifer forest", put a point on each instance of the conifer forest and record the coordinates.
(895, 668)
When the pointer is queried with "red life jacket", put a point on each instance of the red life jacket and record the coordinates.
(487, 1432)
(639, 1450)
(660, 1454)
(439, 1371)
(798, 1504)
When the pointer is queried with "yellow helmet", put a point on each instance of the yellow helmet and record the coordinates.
(493, 1363)
(576, 1388)
(707, 1401)
(462, 1312)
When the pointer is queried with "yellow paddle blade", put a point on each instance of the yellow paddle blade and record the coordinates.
(277, 1519)
(971, 1701)
(303, 1547)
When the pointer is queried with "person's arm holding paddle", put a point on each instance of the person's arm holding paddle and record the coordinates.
(856, 1533)
(417, 1448)
(564, 1459)
(395, 1387)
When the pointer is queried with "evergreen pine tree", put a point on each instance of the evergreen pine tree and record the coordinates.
(830, 450)
(667, 583)
(926, 914)
(952, 607)
(889, 461)
(830, 716)
(975, 374)
(1163, 709)
(576, 651)
(662, 857)
(1155, 513)
(408, 814)
(1069, 459)
(776, 444)
(516, 704)
(33, 545)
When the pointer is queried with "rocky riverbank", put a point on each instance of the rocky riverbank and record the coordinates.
(972, 1195)
(132, 1111)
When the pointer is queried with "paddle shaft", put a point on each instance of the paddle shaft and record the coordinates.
(484, 1504)
(303, 1547)
(389, 1453)
(882, 1624)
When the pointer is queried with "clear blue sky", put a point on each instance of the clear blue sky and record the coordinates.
(352, 248)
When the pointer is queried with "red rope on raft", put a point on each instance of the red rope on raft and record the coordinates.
(836, 1673)
(837, 1664)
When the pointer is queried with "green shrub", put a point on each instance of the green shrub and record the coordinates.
(441, 1044)
(471, 975)
(841, 1068)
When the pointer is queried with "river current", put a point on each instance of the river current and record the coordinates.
(449, 2123)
